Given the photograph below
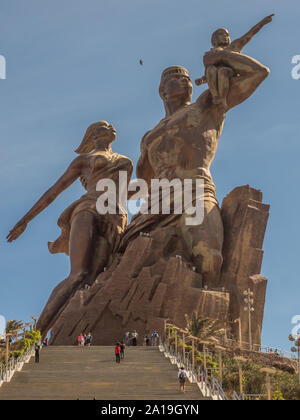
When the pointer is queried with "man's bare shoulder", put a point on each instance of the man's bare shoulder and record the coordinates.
(204, 101)
(207, 108)
(144, 140)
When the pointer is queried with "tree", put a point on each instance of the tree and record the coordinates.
(13, 325)
(204, 328)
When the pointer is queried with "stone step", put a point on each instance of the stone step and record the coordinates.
(69, 373)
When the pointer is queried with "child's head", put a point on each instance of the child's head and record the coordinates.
(220, 38)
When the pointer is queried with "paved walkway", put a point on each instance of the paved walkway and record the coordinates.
(70, 373)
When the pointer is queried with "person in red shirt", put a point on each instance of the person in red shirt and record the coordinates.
(79, 339)
(118, 352)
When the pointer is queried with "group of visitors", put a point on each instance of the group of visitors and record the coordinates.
(84, 340)
(276, 351)
(131, 338)
(151, 339)
(120, 351)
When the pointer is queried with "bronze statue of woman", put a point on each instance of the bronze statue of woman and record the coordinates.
(89, 238)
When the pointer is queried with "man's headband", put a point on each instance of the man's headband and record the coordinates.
(170, 71)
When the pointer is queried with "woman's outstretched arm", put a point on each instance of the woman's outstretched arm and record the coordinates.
(72, 173)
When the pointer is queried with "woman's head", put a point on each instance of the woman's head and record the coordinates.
(100, 131)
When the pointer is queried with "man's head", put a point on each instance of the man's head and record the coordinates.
(220, 38)
(175, 84)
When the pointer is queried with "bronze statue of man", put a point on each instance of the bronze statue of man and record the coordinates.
(183, 146)
(88, 237)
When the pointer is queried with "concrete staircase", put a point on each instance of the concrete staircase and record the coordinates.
(70, 373)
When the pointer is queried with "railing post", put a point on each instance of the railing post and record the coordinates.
(204, 360)
(240, 333)
(268, 372)
(183, 347)
(240, 360)
(176, 349)
(193, 353)
(220, 368)
(6, 348)
(269, 387)
(240, 377)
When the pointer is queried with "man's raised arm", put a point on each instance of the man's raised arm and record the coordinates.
(250, 72)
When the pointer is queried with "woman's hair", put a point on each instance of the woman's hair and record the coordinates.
(87, 144)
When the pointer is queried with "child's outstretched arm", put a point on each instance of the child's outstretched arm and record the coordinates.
(239, 43)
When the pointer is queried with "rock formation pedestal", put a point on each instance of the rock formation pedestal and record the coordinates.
(154, 281)
(245, 219)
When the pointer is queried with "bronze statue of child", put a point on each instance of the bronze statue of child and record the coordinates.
(218, 77)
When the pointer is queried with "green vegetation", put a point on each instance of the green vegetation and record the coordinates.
(18, 347)
(12, 326)
(284, 386)
(203, 328)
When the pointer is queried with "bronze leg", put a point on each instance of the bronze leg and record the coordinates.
(224, 76)
(81, 244)
(212, 80)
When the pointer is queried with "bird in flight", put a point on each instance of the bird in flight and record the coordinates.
(141, 62)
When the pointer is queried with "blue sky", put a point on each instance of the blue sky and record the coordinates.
(71, 63)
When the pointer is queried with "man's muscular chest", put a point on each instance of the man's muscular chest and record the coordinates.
(181, 138)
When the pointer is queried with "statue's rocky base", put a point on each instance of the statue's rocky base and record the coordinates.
(154, 281)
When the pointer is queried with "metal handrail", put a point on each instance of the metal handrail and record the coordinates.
(7, 371)
(229, 342)
(260, 348)
(237, 397)
(215, 389)
(209, 384)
